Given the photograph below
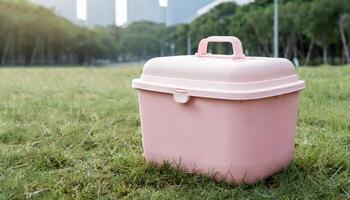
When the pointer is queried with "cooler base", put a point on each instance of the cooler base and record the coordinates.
(235, 141)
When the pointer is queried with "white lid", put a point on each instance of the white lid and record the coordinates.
(233, 77)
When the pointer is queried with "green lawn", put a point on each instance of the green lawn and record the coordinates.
(74, 133)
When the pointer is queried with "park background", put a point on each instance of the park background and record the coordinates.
(311, 32)
(69, 120)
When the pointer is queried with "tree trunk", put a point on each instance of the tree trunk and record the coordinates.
(7, 46)
(290, 44)
(13, 51)
(42, 52)
(35, 50)
(343, 38)
(286, 51)
(49, 54)
(349, 41)
(325, 56)
(294, 46)
(309, 51)
(295, 50)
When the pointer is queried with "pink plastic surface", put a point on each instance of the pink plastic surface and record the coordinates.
(235, 141)
(231, 77)
(231, 117)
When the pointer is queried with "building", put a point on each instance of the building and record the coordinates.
(170, 12)
(92, 13)
(100, 13)
(123, 12)
(145, 10)
(182, 11)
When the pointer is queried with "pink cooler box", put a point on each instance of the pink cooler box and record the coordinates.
(228, 116)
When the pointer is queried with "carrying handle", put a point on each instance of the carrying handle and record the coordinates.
(236, 46)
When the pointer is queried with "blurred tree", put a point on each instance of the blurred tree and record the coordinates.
(251, 26)
(343, 16)
(310, 30)
(212, 23)
(321, 24)
(140, 40)
(290, 30)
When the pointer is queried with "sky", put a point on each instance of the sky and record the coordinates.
(81, 10)
(121, 17)
(121, 9)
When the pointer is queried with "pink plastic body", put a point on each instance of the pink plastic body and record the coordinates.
(239, 141)
(228, 116)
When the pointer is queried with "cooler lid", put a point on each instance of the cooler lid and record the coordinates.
(232, 77)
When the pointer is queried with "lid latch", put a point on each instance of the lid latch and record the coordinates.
(181, 96)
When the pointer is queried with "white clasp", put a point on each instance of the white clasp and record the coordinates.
(181, 96)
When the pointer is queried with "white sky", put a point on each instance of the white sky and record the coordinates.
(163, 3)
(240, 2)
(121, 12)
(82, 10)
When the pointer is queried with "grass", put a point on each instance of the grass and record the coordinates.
(74, 133)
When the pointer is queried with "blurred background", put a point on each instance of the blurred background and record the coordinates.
(111, 32)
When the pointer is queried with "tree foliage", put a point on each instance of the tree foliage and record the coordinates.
(312, 31)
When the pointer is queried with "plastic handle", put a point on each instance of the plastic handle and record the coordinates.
(236, 45)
